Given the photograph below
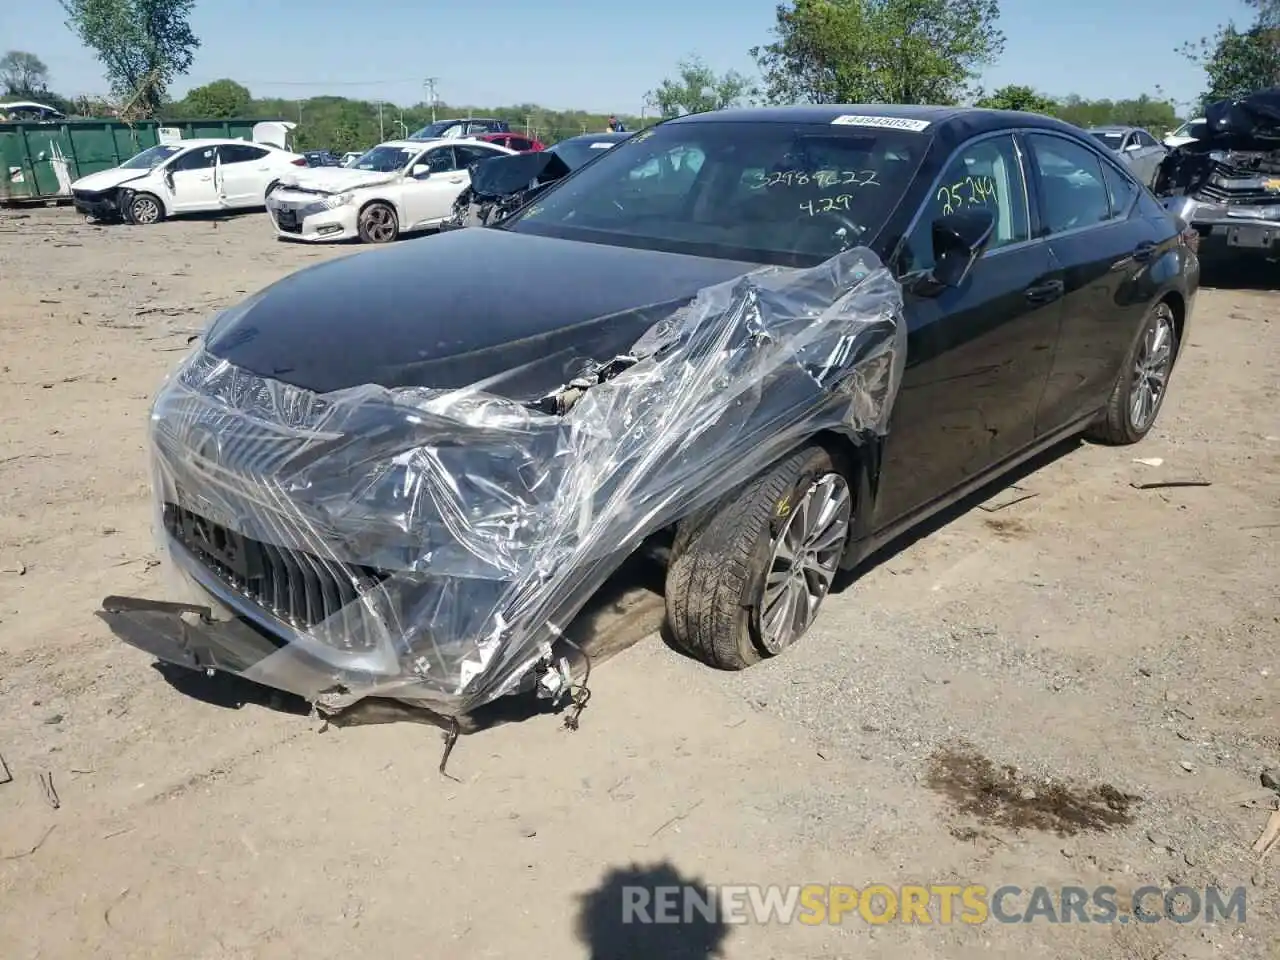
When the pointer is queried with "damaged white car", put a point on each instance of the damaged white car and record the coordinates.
(192, 176)
(397, 187)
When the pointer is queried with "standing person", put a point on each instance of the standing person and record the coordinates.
(612, 126)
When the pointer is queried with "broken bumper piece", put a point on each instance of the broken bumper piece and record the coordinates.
(429, 546)
(1230, 229)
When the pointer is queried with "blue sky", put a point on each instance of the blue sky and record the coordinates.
(596, 55)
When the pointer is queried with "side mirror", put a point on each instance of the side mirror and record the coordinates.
(420, 171)
(958, 241)
(1133, 146)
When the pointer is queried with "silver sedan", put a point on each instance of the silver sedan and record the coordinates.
(1137, 148)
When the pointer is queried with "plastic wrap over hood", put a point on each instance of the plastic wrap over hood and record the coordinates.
(430, 545)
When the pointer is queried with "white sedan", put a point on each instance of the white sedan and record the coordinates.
(397, 187)
(189, 176)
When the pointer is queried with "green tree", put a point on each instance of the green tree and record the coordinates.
(878, 51)
(220, 99)
(1015, 97)
(1241, 63)
(143, 44)
(697, 88)
(23, 74)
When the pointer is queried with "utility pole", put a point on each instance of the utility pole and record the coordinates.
(380, 135)
(429, 85)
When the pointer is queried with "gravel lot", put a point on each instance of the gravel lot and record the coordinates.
(1103, 640)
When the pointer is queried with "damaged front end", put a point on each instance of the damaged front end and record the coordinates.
(1226, 186)
(430, 545)
(502, 185)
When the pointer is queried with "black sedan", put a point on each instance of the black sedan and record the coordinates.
(767, 341)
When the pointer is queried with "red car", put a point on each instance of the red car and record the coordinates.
(513, 141)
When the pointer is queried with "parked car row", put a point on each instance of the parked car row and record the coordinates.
(418, 498)
(398, 187)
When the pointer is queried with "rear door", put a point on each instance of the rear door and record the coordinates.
(977, 356)
(1090, 219)
(246, 170)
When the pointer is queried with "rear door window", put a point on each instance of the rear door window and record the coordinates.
(1073, 193)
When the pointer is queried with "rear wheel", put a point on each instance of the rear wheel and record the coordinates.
(145, 209)
(1140, 388)
(378, 223)
(746, 578)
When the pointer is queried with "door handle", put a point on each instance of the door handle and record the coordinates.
(1045, 292)
(455, 179)
(1144, 251)
(205, 179)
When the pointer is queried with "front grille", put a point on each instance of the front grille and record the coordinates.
(1243, 194)
(290, 221)
(299, 588)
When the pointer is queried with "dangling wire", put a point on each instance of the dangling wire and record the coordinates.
(450, 738)
(579, 693)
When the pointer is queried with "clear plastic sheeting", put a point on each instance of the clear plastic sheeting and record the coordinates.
(430, 545)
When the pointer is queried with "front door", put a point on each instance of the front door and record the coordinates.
(978, 355)
(246, 170)
(428, 198)
(191, 181)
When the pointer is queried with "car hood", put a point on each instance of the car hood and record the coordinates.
(336, 179)
(106, 179)
(517, 314)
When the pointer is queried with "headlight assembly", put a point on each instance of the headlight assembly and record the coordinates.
(336, 200)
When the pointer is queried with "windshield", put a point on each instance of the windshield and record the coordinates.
(780, 193)
(150, 158)
(1108, 138)
(385, 159)
(579, 150)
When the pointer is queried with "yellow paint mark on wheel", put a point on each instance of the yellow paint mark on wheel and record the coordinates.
(784, 506)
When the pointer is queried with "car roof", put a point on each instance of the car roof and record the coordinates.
(966, 121)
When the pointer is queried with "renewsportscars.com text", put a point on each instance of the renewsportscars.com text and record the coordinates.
(815, 904)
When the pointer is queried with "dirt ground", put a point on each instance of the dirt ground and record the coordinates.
(1116, 645)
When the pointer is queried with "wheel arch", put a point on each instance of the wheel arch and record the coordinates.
(1178, 304)
(859, 459)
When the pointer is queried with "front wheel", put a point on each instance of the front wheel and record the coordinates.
(378, 223)
(145, 209)
(746, 578)
(1140, 388)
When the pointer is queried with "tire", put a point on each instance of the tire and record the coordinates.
(378, 223)
(1150, 359)
(722, 558)
(145, 209)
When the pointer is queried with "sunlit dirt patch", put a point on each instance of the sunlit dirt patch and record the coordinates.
(1001, 797)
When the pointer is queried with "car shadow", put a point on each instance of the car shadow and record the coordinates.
(1240, 274)
(630, 915)
(950, 514)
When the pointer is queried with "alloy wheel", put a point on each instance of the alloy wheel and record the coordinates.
(804, 560)
(145, 211)
(379, 223)
(1151, 368)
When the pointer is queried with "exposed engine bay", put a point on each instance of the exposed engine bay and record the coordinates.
(1227, 184)
(502, 185)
